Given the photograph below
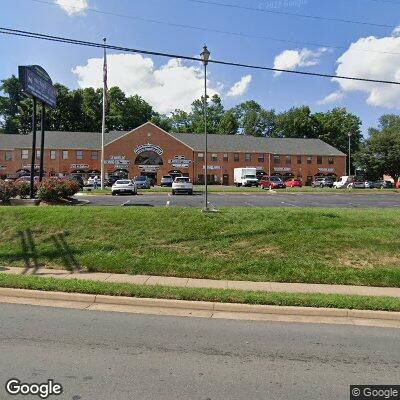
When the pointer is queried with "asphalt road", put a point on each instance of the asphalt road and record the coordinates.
(263, 199)
(101, 355)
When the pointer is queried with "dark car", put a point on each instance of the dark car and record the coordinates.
(78, 179)
(111, 180)
(382, 185)
(322, 182)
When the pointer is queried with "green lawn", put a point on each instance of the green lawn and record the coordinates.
(288, 245)
(233, 189)
(213, 295)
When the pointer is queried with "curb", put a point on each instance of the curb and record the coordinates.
(91, 299)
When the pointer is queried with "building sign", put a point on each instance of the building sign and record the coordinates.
(326, 170)
(29, 166)
(37, 83)
(212, 167)
(148, 147)
(149, 168)
(283, 169)
(180, 162)
(79, 166)
(257, 168)
(2, 167)
(118, 161)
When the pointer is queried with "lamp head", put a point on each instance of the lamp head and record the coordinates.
(205, 55)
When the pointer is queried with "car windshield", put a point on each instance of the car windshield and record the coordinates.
(141, 178)
(122, 182)
(275, 179)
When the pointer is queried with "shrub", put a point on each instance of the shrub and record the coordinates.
(55, 189)
(24, 189)
(8, 190)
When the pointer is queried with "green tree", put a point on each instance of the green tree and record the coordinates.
(180, 122)
(380, 153)
(163, 121)
(336, 125)
(298, 122)
(254, 120)
(215, 112)
(228, 125)
(10, 105)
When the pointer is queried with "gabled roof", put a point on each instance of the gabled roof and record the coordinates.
(216, 143)
(251, 144)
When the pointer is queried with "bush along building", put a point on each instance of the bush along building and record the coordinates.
(149, 150)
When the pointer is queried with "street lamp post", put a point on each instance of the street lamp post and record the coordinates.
(205, 55)
(349, 135)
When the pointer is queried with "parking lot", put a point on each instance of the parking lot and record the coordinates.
(264, 199)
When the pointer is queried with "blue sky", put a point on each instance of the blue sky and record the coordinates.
(172, 85)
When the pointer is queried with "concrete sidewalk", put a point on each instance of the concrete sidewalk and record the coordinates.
(208, 283)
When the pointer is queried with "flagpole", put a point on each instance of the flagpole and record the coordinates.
(103, 122)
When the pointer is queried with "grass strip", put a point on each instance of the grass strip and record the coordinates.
(195, 294)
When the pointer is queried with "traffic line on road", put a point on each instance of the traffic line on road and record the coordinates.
(289, 204)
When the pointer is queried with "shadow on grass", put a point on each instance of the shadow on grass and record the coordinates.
(33, 257)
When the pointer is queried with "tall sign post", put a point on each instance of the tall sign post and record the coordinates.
(36, 83)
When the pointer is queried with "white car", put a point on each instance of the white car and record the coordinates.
(182, 184)
(93, 181)
(123, 186)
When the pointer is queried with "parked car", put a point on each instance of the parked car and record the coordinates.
(142, 182)
(78, 179)
(381, 184)
(111, 180)
(93, 181)
(27, 178)
(166, 180)
(398, 184)
(245, 177)
(182, 184)
(123, 186)
(272, 182)
(345, 182)
(323, 181)
(294, 182)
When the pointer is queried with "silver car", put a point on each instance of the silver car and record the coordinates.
(167, 180)
(123, 186)
(142, 182)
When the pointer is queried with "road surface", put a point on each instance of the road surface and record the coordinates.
(101, 355)
(264, 199)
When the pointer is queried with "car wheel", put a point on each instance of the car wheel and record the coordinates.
(190, 192)
(173, 192)
(113, 193)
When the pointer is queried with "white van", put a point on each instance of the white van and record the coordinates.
(245, 177)
(345, 182)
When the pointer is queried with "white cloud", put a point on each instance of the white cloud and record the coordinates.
(372, 58)
(396, 31)
(73, 7)
(291, 59)
(240, 87)
(332, 98)
(173, 85)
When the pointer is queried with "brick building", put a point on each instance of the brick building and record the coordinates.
(149, 150)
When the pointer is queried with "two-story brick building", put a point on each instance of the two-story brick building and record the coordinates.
(149, 150)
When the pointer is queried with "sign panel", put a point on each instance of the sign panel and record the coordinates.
(326, 169)
(79, 166)
(149, 168)
(148, 147)
(118, 161)
(36, 82)
(283, 169)
(212, 167)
